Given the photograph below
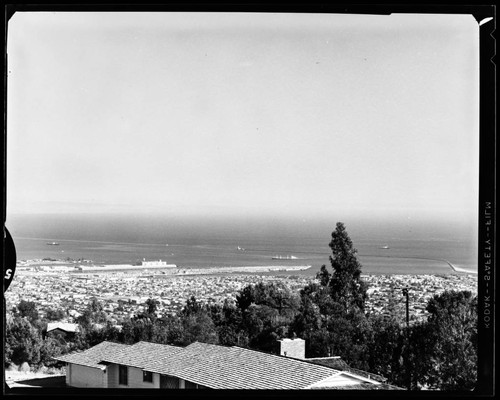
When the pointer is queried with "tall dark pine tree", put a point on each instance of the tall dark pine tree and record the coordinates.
(346, 286)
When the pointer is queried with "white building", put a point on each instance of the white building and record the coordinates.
(156, 264)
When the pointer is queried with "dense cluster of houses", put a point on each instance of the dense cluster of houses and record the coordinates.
(386, 297)
(124, 294)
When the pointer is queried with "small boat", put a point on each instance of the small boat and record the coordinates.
(384, 247)
(52, 244)
(241, 248)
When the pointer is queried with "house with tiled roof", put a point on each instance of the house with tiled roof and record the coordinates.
(83, 369)
(219, 367)
(127, 367)
(206, 366)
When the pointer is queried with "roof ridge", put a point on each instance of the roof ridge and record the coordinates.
(159, 344)
(111, 341)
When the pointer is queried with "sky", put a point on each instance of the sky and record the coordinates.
(243, 113)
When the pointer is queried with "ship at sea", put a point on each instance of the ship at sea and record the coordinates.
(284, 258)
(52, 244)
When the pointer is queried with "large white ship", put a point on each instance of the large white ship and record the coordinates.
(284, 258)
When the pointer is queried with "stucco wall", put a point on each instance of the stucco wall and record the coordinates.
(81, 376)
(134, 379)
(68, 374)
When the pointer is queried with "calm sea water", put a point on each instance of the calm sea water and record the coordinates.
(413, 247)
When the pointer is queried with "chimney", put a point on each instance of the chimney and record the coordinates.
(295, 348)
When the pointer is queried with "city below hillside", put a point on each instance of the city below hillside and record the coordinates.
(124, 294)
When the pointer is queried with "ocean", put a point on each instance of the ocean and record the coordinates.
(413, 247)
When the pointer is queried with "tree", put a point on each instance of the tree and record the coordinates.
(93, 314)
(170, 330)
(267, 312)
(440, 353)
(385, 348)
(417, 355)
(106, 333)
(150, 311)
(28, 310)
(309, 327)
(192, 306)
(49, 349)
(346, 285)
(264, 326)
(22, 342)
(453, 320)
(324, 276)
(273, 294)
(278, 296)
(152, 306)
(55, 314)
(309, 318)
(228, 321)
(197, 325)
(245, 297)
(331, 316)
(136, 330)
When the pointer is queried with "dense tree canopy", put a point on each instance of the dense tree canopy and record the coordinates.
(24, 343)
(28, 309)
(93, 314)
(53, 314)
(453, 322)
(228, 319)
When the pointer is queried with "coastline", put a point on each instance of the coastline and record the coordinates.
(59, 266)
(461, 270)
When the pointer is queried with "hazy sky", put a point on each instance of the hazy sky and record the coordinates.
(243, 113)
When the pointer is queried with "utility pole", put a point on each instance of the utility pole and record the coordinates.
(406, 294)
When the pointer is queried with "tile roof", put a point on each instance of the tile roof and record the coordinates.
(220, 367)
(91, 357)
(141, 353)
